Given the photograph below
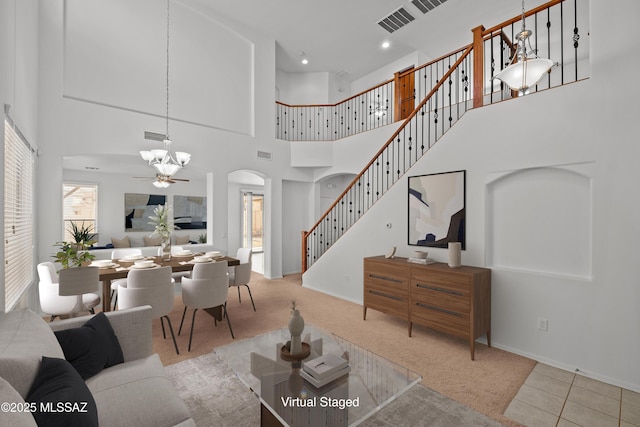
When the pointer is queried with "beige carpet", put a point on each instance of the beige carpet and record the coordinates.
(487, 384)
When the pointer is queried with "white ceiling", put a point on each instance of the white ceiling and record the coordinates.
(343, 35)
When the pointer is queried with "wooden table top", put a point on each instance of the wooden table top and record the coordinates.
(177, 263)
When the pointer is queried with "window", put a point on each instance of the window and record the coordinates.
(80, 205)
(18, 215)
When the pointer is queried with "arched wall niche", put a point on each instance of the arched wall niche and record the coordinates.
(539, 220)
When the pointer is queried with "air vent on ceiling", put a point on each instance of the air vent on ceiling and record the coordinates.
(427, 5)
(396, 20)
(154, 136)
(264, 155)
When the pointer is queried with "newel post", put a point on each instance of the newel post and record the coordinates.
(478, 66)
(304, 251)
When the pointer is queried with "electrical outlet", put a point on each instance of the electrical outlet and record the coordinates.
(543, 324)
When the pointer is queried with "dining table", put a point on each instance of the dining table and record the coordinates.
(120, 268)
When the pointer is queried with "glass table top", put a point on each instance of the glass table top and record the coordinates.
(371, 383)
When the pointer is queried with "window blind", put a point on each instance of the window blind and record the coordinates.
(18, 215)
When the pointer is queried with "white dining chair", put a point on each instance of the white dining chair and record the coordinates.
(240, 275)
(209, 290)
(54, 304)
(118, 254)
(154, 287)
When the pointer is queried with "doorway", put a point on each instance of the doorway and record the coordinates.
(253, 225)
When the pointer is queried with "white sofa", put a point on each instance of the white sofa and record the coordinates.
(136, 392)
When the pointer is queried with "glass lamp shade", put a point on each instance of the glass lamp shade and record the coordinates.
(159, 154)
(182, 157)
(522, 75)
(168, 169)
(160, 184)
(147, 156)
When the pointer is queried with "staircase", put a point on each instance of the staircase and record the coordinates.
(457, 84)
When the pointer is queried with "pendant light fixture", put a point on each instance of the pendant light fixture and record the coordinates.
(525, 68)
(165, 163)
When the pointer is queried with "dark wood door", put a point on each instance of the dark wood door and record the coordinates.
(405, 93)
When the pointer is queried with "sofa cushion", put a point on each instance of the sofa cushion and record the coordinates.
(152, 241)
(92, 347)
(121, 243)
(61, 396)
(182, 240)
(122, 390)
(17, 418)
(24, 338)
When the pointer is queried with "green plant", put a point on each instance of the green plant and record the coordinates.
(162, 220)
(70, 255)
(82, 236)
(202, 238)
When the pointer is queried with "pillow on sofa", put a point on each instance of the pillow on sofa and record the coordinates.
(24, 338)
(91, 347)
(121, 243)
(182, 240)
(152, 241)
(69, 400)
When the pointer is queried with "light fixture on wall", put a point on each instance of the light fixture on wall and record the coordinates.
(525, 68)
(165, 163)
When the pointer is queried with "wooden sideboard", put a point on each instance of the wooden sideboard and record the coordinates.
(455, 301)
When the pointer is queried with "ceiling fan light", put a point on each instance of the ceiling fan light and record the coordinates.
(182, 157)
(160, 184)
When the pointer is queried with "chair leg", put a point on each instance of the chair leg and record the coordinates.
(92, 311)
(224, 307)
(164, 335)
(182, 321)
(193, 321)
(52, 317)
(115, 301)
(250, 296)
(239, 300)
(175, 344)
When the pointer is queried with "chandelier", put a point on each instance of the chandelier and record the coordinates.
(165, 163)
(525, 68)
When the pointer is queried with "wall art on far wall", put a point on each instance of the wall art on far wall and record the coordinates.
(437, 209)
(190, 212)
(138, 208)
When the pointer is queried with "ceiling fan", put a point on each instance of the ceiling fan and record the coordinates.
(162, 181)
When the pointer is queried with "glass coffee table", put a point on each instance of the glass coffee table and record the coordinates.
(288, 399)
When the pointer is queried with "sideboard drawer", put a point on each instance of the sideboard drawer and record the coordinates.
(440, 282)
(440, 319)
(392, 277)
(440, 297)
(382, 300)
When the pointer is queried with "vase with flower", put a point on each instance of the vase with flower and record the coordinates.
(162, 220)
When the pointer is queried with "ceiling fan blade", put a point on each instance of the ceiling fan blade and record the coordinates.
(179, 179)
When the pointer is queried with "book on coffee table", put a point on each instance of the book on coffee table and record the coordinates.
(327, 379)
(324, 366)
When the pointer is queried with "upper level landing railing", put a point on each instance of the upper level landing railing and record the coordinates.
(461, 80)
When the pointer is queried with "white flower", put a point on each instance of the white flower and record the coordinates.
(162, 220)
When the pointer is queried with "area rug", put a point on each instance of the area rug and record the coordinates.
(216, 397)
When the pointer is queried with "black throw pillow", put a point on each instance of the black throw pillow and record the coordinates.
(61, 396)
(91, 347)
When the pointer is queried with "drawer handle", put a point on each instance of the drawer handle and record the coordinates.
(441, 310)
(382, 294)
(435, 288)
(388, 279)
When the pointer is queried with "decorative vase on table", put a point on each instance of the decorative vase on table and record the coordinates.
(296, 326)
(166, 248)
(162, 220)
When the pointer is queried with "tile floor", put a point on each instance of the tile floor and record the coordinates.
(557, 398)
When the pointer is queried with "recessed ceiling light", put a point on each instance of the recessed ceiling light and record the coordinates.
(305, 61)
(385, 45)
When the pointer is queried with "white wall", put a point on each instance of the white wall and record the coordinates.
(587, 128)
(303, 88)
(76, 122)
